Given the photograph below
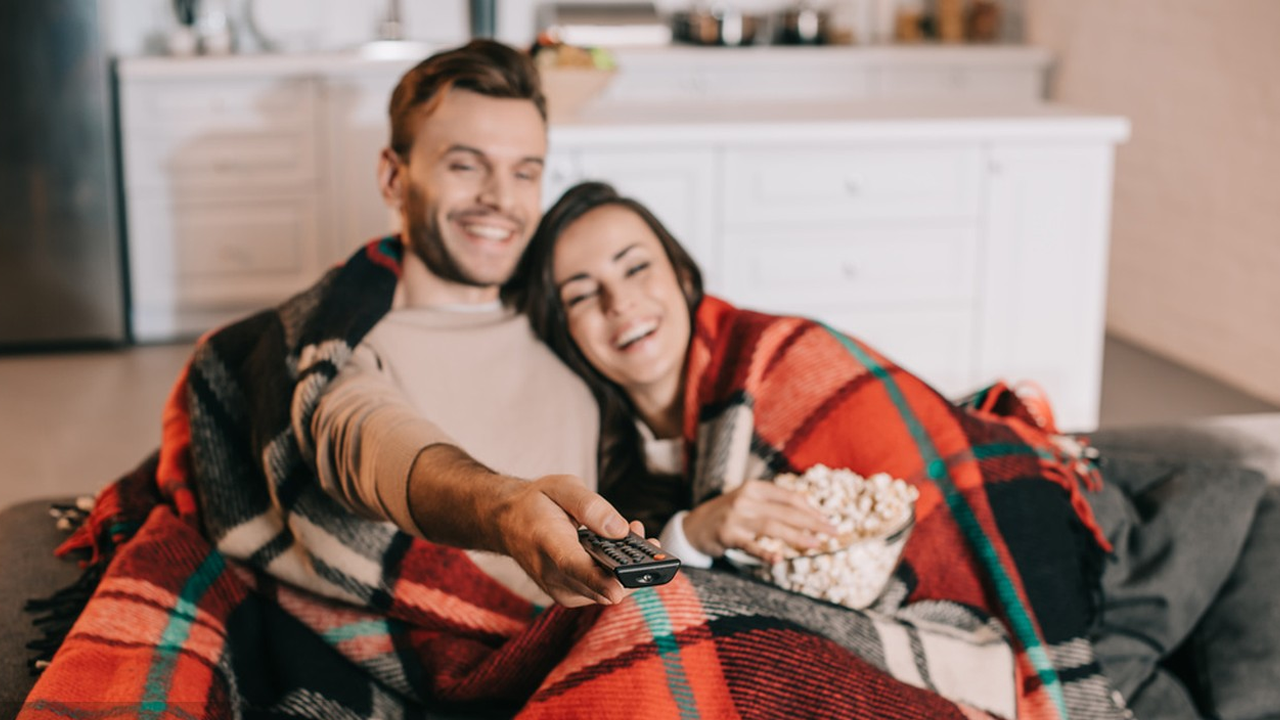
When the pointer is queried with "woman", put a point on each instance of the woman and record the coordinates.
(703, 403)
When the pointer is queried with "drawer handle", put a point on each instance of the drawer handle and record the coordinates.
(851, 186)
(848, 270)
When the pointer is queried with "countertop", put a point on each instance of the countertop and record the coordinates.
(881, 118)
(397, 57)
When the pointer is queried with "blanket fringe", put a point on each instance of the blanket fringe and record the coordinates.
(56, 614)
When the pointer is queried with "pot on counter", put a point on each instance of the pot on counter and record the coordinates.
(803, 24)
(722, 26)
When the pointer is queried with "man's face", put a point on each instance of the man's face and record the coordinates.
(471, 191)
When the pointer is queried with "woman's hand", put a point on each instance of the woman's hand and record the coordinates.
(738, 518)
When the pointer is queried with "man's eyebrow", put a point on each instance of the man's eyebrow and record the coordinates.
(583, 276)
(483, 156)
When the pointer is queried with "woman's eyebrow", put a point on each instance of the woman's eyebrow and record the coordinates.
(572, 278)
(583, 276)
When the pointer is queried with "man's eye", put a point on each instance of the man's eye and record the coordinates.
(641, 267)
(529, 175)
(462, 167)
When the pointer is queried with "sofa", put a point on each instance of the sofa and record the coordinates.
(1182, 633)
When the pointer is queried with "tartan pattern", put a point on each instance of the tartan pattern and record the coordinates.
(237, 587)
(1002, 525)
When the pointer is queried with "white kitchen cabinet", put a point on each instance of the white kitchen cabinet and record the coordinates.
(967, 244)
(966, 240)
(221, 191)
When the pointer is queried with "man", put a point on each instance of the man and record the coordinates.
(464, 173)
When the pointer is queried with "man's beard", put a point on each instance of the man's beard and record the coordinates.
(424, 238)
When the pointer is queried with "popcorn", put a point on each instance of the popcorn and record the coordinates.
(873, 517)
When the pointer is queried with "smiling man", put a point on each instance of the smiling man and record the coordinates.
(449, 374)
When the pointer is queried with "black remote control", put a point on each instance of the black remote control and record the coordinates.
(636, 562)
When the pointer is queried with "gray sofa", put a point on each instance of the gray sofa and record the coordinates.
(1201, 655)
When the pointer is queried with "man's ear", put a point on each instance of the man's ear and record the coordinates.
(392, 175)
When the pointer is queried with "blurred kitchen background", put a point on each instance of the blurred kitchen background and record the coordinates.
(168, 165)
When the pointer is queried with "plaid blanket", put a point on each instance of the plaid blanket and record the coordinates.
(235, 587)
(1002, 524)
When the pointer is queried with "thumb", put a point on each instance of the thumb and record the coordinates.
(588, 508)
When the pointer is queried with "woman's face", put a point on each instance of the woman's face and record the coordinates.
(624, 304)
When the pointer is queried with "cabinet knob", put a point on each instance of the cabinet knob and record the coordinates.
(849, 270)
(851, 186)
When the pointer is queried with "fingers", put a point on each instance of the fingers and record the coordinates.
(588, 508)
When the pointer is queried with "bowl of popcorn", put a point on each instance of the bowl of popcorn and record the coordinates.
(873, 517)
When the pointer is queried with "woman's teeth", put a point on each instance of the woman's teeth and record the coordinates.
(636, 332)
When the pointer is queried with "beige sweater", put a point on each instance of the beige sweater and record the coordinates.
(474, 377)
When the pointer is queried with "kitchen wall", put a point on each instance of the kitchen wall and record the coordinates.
(1195, 261)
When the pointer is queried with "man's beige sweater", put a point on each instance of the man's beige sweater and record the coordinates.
(473, 377)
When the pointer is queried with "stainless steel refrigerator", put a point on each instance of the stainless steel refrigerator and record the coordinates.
(61, 251)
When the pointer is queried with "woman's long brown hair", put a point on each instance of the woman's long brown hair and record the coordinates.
(532, 290)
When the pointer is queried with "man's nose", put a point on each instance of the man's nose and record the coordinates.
(498, 192)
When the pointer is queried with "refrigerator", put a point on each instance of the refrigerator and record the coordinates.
(61, 244)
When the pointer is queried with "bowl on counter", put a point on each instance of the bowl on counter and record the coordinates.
(716, 27)
(569, 89)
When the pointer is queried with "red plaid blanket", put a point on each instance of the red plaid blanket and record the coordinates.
(237, 587)
(1002, 524)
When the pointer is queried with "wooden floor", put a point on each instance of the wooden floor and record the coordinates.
(70, 422)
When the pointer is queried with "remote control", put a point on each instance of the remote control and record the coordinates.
(636, 562)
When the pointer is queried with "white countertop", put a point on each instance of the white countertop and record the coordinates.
(401, 56)
(837, 120)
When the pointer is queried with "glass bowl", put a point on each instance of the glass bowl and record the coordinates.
(854, 575)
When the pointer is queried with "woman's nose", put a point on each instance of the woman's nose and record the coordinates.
(617, 300)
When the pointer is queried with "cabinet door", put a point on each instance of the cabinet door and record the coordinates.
(1044, 273)
(678, 186)
(196, 261)
(358, 130)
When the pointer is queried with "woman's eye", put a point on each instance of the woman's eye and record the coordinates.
(579, 298)
(634, 269)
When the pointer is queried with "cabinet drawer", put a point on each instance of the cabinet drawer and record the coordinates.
(244, 252)
(228, 159)
(818, 183)
(1016, 83)
(192, 108)
(242, 134)
(863, 267)
(217, 240)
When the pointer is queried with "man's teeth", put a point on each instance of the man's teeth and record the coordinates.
(636, 332)
(487, 232)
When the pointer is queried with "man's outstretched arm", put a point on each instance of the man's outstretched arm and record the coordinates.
(379, 456)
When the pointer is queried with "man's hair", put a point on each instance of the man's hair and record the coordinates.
(481, 66)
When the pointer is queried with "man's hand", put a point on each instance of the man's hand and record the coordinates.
(738, 518)
(457, 501)
(537, 524)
